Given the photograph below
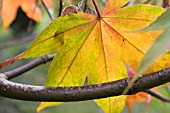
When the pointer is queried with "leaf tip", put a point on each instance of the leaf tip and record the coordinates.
(44, 105)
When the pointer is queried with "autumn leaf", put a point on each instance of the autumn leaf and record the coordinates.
(161, 44)
(140, 97)
(93, 47)
(30, 7)
(52, 38)
(162, 22)
(9, 15)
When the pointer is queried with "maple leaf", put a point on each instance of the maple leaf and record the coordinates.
(160, 45)
(30, 7)
(94, 47)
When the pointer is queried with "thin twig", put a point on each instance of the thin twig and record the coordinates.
(48, 12)
(157, 95)
(18, 71)
(60, 8)
(80, 93)
(17, 42)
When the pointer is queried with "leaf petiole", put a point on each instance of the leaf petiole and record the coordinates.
(97, 8)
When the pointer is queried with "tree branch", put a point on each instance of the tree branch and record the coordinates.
(18, 71)
(158, 95)
(16, 42)
(80, 93)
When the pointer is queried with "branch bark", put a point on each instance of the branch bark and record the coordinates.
(20, 70)
(158, 95)
(17, 42)
(80, 93)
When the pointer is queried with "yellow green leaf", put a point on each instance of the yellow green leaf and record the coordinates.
(160, 45)
(51, 39)
(69, 60)
(128, 46)
(112, 104)
(98, 47)
(131, 18)
(47, 104)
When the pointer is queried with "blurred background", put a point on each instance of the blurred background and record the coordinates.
(18, 37)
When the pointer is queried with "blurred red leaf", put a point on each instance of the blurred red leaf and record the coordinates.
(30, 7)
